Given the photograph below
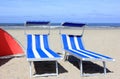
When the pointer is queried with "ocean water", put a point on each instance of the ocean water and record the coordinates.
(100, 25)
(104, 24)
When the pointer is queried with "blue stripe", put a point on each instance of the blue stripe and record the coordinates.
(88, 54)
(53, 53)
(64, 39)
(45, 40)
(38, 47)
(77, 53)
(79, 39)
(99, 54)
(29, 47)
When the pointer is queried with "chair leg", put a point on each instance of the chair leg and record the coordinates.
(104, 65)
(65, 56)
(30, 68)
(56, 67)
(81, 68)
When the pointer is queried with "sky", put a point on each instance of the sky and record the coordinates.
(87, 11)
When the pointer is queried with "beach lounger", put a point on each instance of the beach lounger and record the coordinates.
(73, 45)
(38, 49)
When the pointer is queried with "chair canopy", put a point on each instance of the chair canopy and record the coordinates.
(37, 23)
(73, 26)
(69, 24)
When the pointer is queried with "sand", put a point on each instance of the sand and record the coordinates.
(105, 41)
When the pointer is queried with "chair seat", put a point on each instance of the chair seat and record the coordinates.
(87, 55)
(40, 55)
(38, 49)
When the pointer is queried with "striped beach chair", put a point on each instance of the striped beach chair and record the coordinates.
(73, 45)
(38, 50)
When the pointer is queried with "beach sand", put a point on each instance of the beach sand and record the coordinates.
(104, 41)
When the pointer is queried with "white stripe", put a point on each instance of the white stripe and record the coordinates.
(81, 53)
(68, 42)
(76, 43)
(77, 46)
(43, 47)
(70, 47)
(34, 47)
(94, 54)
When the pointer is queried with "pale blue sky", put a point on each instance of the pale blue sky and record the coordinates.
(60, 10)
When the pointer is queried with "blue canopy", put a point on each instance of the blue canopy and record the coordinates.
(37, 22)
(73, 24)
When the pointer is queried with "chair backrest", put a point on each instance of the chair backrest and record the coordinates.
(37, 41)
(72, 42)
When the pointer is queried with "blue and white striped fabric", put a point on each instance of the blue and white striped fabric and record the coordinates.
(74, 45)
(38, 48)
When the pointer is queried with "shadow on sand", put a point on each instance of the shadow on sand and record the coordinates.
(88, 67)
(4, 61)
(42, 67)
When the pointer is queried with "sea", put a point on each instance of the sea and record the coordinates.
(95, 25)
